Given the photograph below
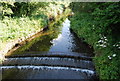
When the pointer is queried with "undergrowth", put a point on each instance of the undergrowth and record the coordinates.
(99, 26)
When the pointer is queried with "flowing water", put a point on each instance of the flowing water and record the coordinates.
(60, 55)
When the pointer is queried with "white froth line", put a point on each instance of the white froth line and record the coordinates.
(48, 67)
(48, 58)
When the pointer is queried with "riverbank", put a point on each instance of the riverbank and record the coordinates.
(100, 31)
(49, 30)
(16, 30)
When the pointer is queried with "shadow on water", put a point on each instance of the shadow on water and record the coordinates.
(61, 42)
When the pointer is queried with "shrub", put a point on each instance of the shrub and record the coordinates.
(98, 24)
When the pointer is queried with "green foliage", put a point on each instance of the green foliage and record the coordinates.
(27, 9)
(17, 27)
(43, 40)
(98, 24)
(25, 18)
(23, 8)
(110, 15)
(82, 6)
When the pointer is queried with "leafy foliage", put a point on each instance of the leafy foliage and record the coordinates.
(23, 8)
(21, 19)
(98, 24)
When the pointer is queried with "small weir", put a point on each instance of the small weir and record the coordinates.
(48, 67)
(50, 61)
(66, 57)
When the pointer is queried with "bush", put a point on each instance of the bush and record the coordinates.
(25, 18)
(98, 24)
(20, 9)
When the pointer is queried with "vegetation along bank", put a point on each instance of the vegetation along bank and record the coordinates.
(98, 24)
(21, 20)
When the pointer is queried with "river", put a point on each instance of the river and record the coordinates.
(60, 55)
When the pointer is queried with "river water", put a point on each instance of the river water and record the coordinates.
(60, 55)
(68, 42)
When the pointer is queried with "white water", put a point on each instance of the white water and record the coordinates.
(89, 72)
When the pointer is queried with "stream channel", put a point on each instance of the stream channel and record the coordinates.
(60, 55)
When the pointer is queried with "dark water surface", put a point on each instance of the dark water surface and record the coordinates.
(62, 40)
(27, 63)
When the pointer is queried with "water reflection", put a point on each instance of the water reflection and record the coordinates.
(62, 40)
